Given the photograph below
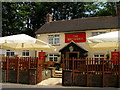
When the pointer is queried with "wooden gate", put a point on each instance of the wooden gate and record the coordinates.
(91, 72)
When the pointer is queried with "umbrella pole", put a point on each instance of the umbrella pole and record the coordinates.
(35, 53)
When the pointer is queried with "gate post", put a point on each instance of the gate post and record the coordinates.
(63, 68)
(39, 70)
(119, 72)
(18, 62)
(7, 68)
(87, 72)
(29, 59)
(73, 71)
(103, 72)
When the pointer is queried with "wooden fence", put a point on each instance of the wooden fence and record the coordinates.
(91, 72)
(31, 65)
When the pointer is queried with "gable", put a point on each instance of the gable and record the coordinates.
(75, 48)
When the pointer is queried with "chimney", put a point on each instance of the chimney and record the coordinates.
(48, 18)
(118, 11)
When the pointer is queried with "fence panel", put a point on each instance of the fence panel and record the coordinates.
(22, 65)
(92, 72)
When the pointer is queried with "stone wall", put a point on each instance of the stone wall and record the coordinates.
(46, 74)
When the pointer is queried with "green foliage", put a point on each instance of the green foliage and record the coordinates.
(27, 17)
(16, 18)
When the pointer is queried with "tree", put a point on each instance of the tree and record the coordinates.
(27, 17)
(16, 17)
(109, 9)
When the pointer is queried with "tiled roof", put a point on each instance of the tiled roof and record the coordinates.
(82, 24)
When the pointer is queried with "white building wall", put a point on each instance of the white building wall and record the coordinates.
(44, 37)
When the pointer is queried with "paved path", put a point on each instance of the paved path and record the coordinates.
(51, 81)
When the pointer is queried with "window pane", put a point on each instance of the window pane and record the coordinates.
(7, 54)
(50, 35)
(23, 54)
(55, 58)
(56, 55)
(50, 59)
(56, 35)
(56, 40)
(50, 54)
(12, 53)
(97, 33)
(27, 53)
(53, 39)
(96, 55)
(101, 55)
(50, 41)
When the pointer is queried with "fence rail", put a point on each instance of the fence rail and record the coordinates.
(91, 66)
(22, 64)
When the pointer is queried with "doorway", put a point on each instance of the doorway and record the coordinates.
(73, 55)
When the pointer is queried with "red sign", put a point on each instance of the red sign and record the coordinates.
(41, 56)
(115, 56)
(76, 37)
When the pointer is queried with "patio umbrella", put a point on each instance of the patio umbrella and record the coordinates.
(106, 41)
(22, 42)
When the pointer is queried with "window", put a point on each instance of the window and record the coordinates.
(9, 53)
(54, 39)
(53, 57)
(99, 57)
(97, 33)
(25, 53)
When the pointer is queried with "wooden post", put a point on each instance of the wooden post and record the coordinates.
(37, 71)
(29, 59)
(18, 62)
(87, 73)
(119, 71)
(103, 72)
(63, 68)
(7, 68)
(73, 71)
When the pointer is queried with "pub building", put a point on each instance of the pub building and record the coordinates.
(70, 36)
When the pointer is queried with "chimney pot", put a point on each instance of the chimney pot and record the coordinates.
(49, 17)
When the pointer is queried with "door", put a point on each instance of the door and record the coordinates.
(73, 54)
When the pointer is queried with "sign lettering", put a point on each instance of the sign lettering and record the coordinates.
(76, 37)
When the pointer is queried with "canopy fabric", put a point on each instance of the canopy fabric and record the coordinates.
(104, 46)
(22, 42)
(106, 37)
(106, 41)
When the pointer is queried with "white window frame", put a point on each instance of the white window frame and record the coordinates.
(52, 56)
(24, 53)
(99, 56)
(98, 33)
(10, 53)
(54, 39)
